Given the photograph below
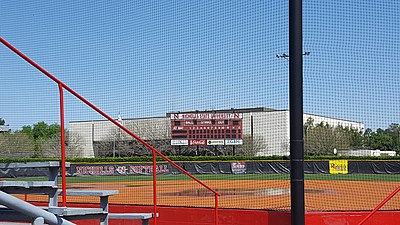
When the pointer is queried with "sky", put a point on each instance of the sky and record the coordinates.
(146, 58)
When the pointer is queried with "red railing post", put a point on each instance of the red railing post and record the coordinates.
(63, 155)
(154, 185)
(216, 209)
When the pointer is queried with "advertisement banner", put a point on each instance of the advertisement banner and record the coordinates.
(238, 167)
(251, 167)
(233, 142)
(198, 142)
(179, 142)
(338, 167)
(215, 142)
(117, 169)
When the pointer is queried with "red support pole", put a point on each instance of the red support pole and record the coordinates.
(380, 205)
(63, 168)
(216, 209)
(154, 186)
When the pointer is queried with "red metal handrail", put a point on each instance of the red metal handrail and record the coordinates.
(380, 205)
(155, 152)
(63, 155)
(154, 185)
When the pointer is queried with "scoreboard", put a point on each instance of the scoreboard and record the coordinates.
(206, 129)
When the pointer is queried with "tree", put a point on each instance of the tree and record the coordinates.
(322, 139)
(16, 145)
(40, 133)
(251, 145)
(2, 121)
(120, 144)
(52, 147)
(319, 139)
(385, 140)
(394, 132)
(367, 137)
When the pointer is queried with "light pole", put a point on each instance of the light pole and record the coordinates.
(286, 56)
(296, 111)
(114, 146)
(117, 132)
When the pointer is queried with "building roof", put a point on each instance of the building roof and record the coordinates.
(232, 110)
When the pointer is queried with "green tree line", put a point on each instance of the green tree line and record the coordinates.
(37, 140)
(323, 138)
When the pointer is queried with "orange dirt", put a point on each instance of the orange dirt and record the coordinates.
(247, 194)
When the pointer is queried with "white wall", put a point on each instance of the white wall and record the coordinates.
(334, 122)
(84, 132)
(90, 131)
(270, 126)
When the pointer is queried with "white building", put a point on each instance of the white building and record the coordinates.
(4, 128)
(367, 152)
(268, 125)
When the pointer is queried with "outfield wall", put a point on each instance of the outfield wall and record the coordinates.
(253, 167)
(263, 167)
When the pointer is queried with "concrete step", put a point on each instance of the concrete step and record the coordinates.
(131, 216)
(13, 223)
(28, 184)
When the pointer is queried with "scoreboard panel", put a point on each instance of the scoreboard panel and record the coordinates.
(206, 129)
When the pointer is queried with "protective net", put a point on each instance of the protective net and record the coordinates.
(352, 79)
(206, 78)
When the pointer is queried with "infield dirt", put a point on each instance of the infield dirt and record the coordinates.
(246, 194)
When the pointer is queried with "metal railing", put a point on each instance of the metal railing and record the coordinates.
(380, 205)
(37, 214)
(155, 152)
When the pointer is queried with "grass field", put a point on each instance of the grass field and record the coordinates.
(323, 192)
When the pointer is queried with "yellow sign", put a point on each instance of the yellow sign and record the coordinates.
(338, 167)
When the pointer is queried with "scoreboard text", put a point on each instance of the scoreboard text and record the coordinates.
(206, 129)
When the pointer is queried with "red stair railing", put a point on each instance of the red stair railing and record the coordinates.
(154, 151)
(380, 205)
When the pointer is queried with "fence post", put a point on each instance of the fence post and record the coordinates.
(216, 209)
(153, 152)
(63, 155)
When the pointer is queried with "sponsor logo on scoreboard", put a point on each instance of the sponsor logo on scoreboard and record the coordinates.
(197, 142)
(179, 142)
(216, 142)
(233, 141)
